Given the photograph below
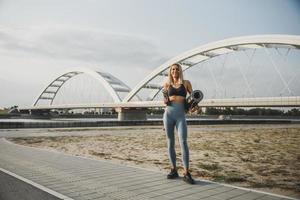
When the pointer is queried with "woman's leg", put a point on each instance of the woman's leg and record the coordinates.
(169, 125)
(181, 127)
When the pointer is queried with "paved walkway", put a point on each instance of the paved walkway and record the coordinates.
(80, 178)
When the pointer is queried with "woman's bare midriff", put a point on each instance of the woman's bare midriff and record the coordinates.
(177, 99)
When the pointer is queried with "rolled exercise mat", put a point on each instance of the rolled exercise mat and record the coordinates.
(193, 100)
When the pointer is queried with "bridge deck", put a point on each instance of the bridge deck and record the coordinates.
(75, 177)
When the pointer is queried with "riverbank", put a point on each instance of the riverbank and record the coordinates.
(68, 123)
(264, 157)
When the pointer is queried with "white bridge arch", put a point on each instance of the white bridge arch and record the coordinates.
(195, 56)
(112, 84)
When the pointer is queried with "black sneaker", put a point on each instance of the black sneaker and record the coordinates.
(173, 174)
(188, 178)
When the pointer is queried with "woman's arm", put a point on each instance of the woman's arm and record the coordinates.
(188, 86)
(166, 86)
(165, 91)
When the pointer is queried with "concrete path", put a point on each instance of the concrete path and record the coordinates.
(71, 177)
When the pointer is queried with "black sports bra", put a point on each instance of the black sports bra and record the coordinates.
(181, 91)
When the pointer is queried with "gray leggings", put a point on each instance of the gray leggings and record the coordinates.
(174, 116)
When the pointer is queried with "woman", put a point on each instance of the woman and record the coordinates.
(174, 116)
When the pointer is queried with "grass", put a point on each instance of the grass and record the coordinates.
(3, 112)
(209, 166)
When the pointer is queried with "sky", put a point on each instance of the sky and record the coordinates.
(127, 38)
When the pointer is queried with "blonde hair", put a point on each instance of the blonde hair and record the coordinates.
(170, 78)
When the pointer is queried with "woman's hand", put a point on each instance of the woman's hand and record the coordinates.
(166, 101)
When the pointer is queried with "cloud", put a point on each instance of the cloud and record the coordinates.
(15, 93)
(87, 45)
(33, 55)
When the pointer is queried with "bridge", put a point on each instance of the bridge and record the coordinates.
(133, 105)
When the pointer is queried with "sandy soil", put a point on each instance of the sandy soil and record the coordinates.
(264, 157)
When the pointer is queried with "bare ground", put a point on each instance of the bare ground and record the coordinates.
(264, 157)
